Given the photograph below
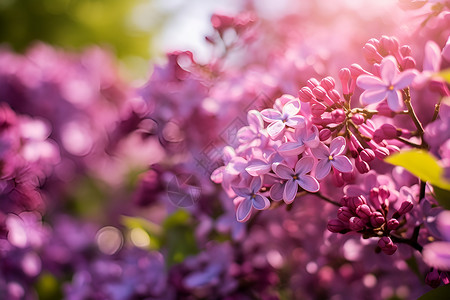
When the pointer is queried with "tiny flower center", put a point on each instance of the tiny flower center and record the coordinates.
(295, 177)
(330, 157)
(391, 87)
(253, 196)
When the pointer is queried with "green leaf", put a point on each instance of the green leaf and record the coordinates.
(442, 197)
(422, 164)
(441, 293)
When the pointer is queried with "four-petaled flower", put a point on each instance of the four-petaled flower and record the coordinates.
(390, 84)
(279, 120)
(297, 177)
(331, 157)
(253, 135)
(249, 198)
(303, 137)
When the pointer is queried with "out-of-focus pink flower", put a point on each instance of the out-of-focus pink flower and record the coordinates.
(437, 254)
(388, 86)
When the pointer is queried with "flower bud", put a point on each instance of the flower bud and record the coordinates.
(392, 149)
(344, 200)
(392, 224)
(357, 70)
(405, 50)
(356, 224)
(433, 279)
(376, 219)
(324, 134)
(367, 155)
(319, 92)
(363, 211)
(362, 166)
(381, 152)
(371, 54)
(344, 214)
(390, 131)
(312, 83)
(387, 246)
(354, 202)
(374, 42)
(383, 192)
(384, 110)
(318, 109)
(358, 119)
(334, 95)
(336, 226)
(328, 83)
(338, 115)
(344, 77)
(405, 207)
(305, 94)
(408, 63)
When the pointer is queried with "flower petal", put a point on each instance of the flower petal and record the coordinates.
(337, 146)
(296, 121)
(312, 140)
(244, 210)
(308, 183)
(241, 192)
(373, 96)
(321, 151)
(395, 100)
(275, 129)
(271, 115)
(388, 69)
(369, 82)
(437, 255)
(404, 79)
(254, 119)
(256, 184)
(443, 224)
(432, 59)
(290, 191)
(276, 191)
(260, 202)
(283, 171)
(258, 167)
(342, 164)
(291, 149)
(304, 165)
(246, 135)
(291, 108)
(323, 168)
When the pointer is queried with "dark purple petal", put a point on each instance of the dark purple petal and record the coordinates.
(242, 192)
(244, 210)
(308, 183)
(342, 163)
(283, 171)
(304, 165)
(276, 191)
(323, 168)
(261, 202)
(290, 191)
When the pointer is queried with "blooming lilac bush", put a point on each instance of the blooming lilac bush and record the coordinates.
(284, 167)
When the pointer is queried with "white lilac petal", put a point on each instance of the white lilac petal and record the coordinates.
(296, 121)
(244, 210)
(395, 100)
(369, 82)
(271, 115)
(304, 165)
(308, 183)
(373, 96)
(323, 168)
(291, 108)
(337, 146)
(260, 202)
(275, 129)
(283, 171)
(290, 191)
(342, 164)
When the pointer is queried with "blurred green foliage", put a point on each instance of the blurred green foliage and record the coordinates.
(75, 24)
